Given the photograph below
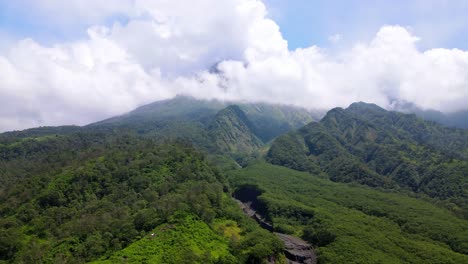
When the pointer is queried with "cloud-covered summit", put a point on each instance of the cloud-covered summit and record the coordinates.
(164, 48)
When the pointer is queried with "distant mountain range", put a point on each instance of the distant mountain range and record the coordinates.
(454, 119)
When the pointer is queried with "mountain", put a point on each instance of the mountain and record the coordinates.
(455, 119)
(233, 132)
(179, 108)
(271, 120)
(452, 119)
(8, 137)
(369, 145)
(208, 123)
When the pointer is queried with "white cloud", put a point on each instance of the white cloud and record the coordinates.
(166, 48)
(389, 67)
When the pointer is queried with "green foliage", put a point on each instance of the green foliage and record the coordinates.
(288, 150)
(257, 246)
(318, 235)
(185, 239)
(106, 202)
(369, 145)
(356, 224)
(211, 125)
(271, 121)
(98, 193)
(78, 194)
(233, 132)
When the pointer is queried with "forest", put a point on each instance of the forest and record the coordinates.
(114, 193)
(362, 185)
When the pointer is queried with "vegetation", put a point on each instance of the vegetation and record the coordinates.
(356, 224)
(112, 193)
(211, 125)
(371, 146)
(138, 188)
(233, 132)
(184, 240)
(236, 132)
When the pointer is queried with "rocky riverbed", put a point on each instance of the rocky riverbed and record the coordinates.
(296, 250)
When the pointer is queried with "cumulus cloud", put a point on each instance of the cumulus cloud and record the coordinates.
(166, 48)
(388, 68)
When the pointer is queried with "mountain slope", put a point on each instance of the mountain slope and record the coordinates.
(456, 119)
(181, 108)
(452, 119)
(449, 140)
(369, 145)
(233, 132)
(271, 121)
(198, 121)
(91, 199)
(355, 224)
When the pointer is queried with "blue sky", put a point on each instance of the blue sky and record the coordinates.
(22, 19)
(303, 23)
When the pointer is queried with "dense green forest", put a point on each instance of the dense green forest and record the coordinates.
(369, 145)
(155, 186)
(77, 194)
(108, 193)
(211, 125)
(354, 224)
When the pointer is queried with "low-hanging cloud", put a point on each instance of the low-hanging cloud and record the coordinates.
(162, 51)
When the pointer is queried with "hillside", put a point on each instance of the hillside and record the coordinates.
(455, 119)
(354, 224)
(160, 118)
(90, 195)
(452, 119)
(233, 132)
(77, 194)
(369, 145)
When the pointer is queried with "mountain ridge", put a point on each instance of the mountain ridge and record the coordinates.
(369, 145)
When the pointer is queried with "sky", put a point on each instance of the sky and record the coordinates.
(80, 61)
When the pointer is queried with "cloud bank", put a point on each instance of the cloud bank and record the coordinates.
(227, 49)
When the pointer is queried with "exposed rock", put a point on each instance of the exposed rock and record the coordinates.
(296, 250)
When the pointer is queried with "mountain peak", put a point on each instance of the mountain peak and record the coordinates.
(333, 113)
(363, 106)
